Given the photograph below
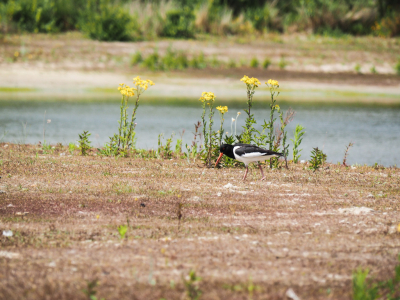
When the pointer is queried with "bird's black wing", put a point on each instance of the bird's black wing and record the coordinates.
(252, 149)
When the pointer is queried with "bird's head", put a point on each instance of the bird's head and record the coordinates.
(223, 150)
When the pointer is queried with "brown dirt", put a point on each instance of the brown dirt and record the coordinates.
(297, 229)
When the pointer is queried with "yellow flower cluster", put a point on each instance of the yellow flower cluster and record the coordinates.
(273, 83)
(144, 84)
(223, 109)
(207, 97)
(126, 90)
(250, 81)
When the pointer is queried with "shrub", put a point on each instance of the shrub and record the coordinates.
(182, 61)
(136, 58)
(282, 63)
(198, 62)
(231, 64)
(39, 15)
(84, 143)
(357, 68)
(107, 22)
(179, 23)
(266, 63)
(254, 63)
(152, 62)
(317, 159)
(397, 67)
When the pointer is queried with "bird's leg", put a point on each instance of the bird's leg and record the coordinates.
(262, 172)
(245, 173)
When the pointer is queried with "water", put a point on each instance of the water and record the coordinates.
(374, 130)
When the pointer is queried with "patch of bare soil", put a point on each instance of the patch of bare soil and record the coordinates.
(246, 240)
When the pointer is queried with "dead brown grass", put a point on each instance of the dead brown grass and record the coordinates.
(290, 231)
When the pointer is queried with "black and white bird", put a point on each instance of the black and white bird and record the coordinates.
(246, 154)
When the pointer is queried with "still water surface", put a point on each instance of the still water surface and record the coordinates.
(375, 131)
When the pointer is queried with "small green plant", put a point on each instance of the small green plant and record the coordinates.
(317, 159)
(198, 62)
(373, 70)
(231, 64)
(71, 148)
(122, 229)
(165, 150)
(360, 289)
(46, 147)
(397, 67)
(357, 68)
(84, 143)
(153, 62)
(193, 291)
(90, 290)
(178, 146)
(254, 63)
(364, 289)
(136, 58)
(297, 139)
(266, 63)
(282, 63)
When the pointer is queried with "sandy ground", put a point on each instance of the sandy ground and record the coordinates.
(319, 69)
(296, 230)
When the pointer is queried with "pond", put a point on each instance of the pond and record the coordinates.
(374, 130)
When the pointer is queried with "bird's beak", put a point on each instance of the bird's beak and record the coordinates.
(219, 158)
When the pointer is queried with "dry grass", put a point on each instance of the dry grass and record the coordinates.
(292, 230)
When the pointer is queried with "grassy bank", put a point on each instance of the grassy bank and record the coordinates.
(298, 229)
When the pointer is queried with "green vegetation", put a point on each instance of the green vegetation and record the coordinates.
(282, 63)
(298, 137)
(266, 63)
(254, 63)
(84, 143)
(317, 159)
(122, 230)
(193, 291)
(397, 67)
(125, 20)
(364, 289)
(125, 139)
(357, 68)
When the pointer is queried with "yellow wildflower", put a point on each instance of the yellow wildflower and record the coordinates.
(125, 90)
(142, 84)
(250, 81)
(272, 83)
(207, 97)
(222, 109)
(398, 227)
(16, 53)
(277, 107)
